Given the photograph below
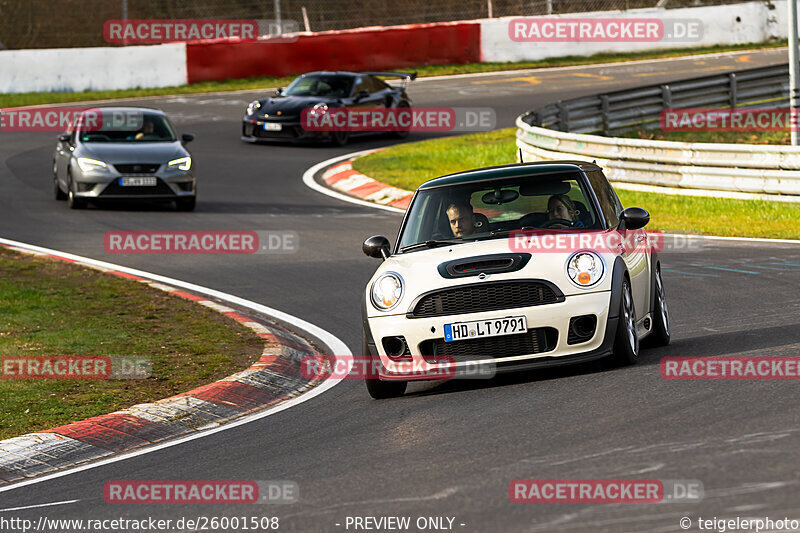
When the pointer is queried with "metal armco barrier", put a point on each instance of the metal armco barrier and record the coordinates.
(560, 131)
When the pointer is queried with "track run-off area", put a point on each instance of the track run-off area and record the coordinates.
(445, 449)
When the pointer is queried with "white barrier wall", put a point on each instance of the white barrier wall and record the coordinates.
(79, 69)
(751, 22)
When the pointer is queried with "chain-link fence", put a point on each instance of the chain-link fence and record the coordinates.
(72, 23)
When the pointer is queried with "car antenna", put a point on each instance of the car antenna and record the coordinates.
(520, 156)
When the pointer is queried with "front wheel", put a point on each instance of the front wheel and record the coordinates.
(72, 201)
(58, 194)
(340, 137)
(660, 335)
(626, 342)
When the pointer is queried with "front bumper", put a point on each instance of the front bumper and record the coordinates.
(253, 131)
(556, 317)
(107, 186)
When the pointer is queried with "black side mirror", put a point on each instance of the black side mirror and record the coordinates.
(634, 218)
(279, 91)
(64, 138)
(377, 246)
(361, 95)
(187, 138)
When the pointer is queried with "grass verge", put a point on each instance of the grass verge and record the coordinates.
(49, 307)
(23, 99)
(408, 165)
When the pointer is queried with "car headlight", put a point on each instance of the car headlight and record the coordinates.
(183, 163)
(585, 268)
(387, 291)
(87, 165)
(319, 109)
(251, 109)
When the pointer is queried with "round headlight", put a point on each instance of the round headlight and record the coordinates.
(585, 268)
(387, 291)
(251, 109)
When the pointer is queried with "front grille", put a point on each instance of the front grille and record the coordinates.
(138, 168)
(160, 188)
(487, 296)
(536, 340)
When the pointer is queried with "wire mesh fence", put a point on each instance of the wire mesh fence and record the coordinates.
(74, 23)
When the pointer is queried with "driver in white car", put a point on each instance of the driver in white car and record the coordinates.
(462, 219)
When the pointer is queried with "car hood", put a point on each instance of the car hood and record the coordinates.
(134, 152)
(290, 105)
(419, 270)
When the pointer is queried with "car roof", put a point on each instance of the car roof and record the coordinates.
(333, 73)
(509, 171)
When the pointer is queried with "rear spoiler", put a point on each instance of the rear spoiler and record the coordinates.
(406, 76)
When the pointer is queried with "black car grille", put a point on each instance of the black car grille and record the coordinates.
(286, 132)
(159, 189)
(138, 168)
(487, 296)
(536, 340)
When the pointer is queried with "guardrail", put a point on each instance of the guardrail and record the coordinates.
(560, 131)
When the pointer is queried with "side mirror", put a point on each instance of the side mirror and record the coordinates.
(377, 246)
(279, 91)
(634, 218)
(187, 138)
(361, 95)
(64, 138)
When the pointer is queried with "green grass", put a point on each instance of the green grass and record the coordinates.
(23, 99)
(728, 137)
(408, 165)
(49, 307)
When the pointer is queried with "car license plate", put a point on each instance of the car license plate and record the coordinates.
(485, 328)
(138, 181)
(272, 126)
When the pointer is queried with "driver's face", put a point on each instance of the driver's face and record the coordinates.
(556, 209)
(462, 222)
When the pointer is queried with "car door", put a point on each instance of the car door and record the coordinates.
(633, 249)
(64, 150)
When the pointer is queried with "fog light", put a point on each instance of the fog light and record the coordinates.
(396, 347)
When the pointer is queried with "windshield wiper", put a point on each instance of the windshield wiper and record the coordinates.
(431, 244)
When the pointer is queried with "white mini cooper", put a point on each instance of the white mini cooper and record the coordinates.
(521, 266)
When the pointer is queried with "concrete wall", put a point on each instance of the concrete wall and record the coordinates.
(750, 22)
(79, 69)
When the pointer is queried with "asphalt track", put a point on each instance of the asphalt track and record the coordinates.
(444, 449)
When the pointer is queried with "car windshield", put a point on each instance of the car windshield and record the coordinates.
(326, 85)
(140, 128)
(492, 209)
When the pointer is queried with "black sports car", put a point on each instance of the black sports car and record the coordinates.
(279, 117)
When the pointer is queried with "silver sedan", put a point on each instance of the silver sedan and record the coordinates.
(123, 153)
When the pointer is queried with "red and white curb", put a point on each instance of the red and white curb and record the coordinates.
(273, 379)
(342, 177)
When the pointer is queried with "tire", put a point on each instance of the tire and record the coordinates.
(58, 194)
(72, 201)
(381, 390)
(626, 342)
(660, 335)
(340, 138)
(402, 134)
(186, 204)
